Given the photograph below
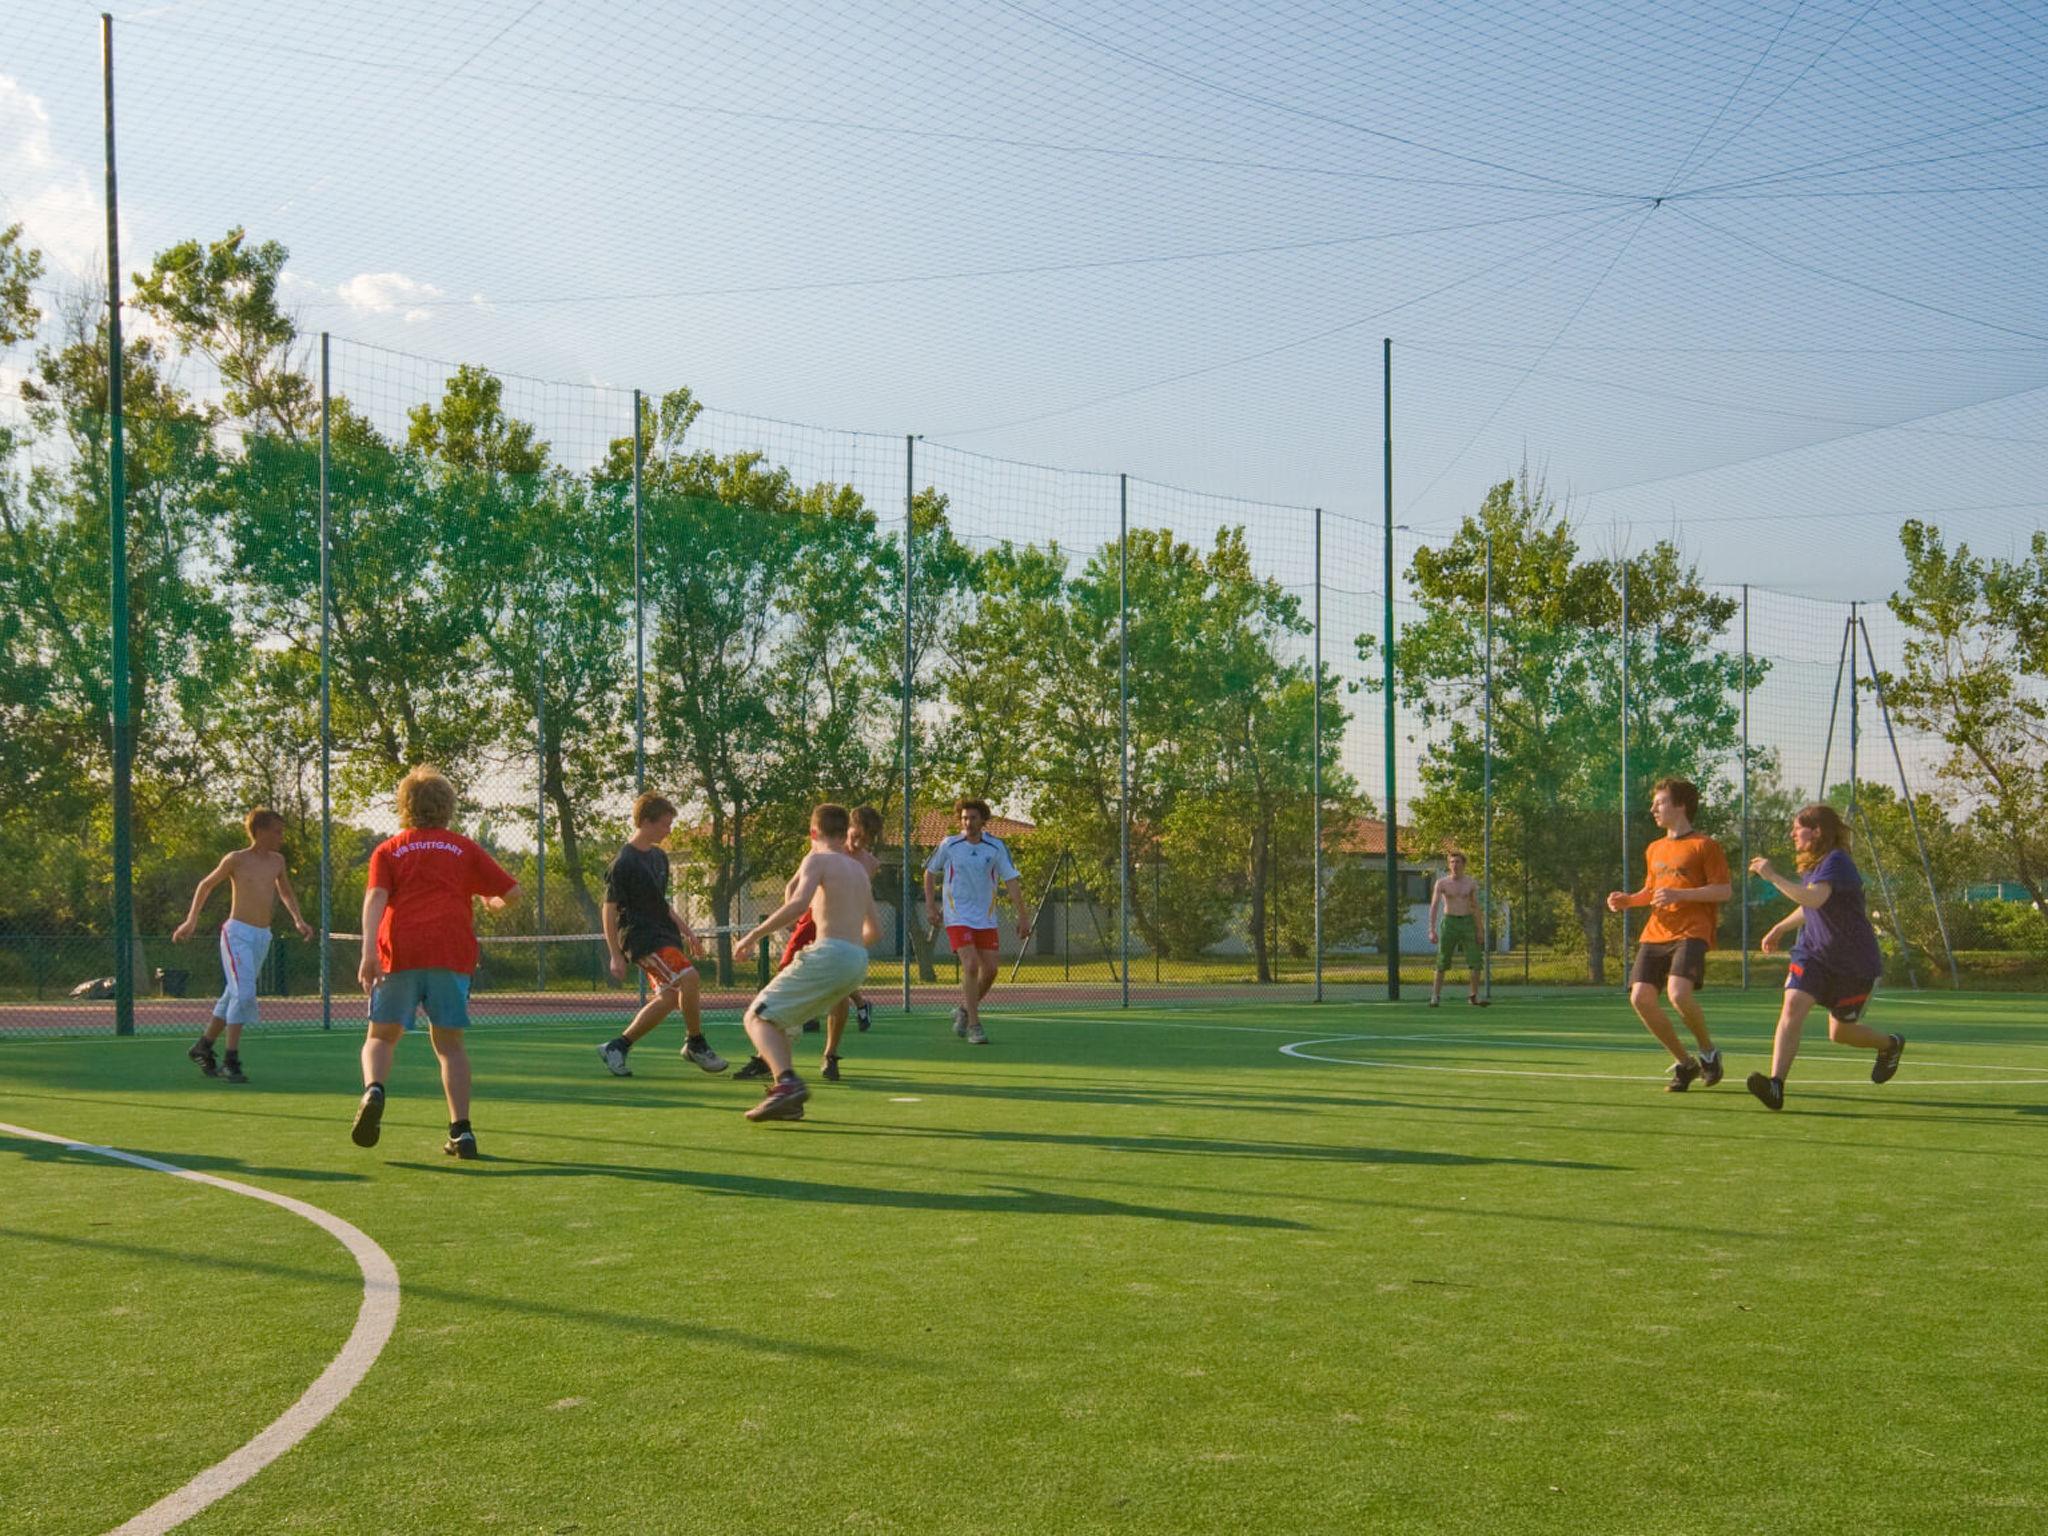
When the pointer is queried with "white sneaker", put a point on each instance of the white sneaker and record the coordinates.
(614, 1060)
(975, 1035)
(698, 1050)
(960, 1022)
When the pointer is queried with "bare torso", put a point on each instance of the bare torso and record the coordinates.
(252, 877)
(844, 899)
(1457, 895)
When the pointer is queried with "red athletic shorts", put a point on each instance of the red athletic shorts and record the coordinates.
(972, 938)
(802, 936)
(665, 967)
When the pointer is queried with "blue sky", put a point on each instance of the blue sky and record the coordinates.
(1162, 238)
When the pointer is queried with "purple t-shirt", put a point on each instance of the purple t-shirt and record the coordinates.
(1837, 933)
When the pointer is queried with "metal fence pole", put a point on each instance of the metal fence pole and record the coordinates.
(1743, 873)
(639, 613)
(1905, 790)
(540, 802)
(1316, 832)
(326, 706)
(1486, 817)
(1123, 705)
(1854, 720)
(909, 813)
(1393, 839)
(1624, 756)
(123, 740)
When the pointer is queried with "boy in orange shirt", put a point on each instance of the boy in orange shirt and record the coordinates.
(1688, 881)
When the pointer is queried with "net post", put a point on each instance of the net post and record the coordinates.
(1884, 710)
(122, 733)
(1316, 761)
(909, 811)
(1624, 755)
(1393, 837)
(1744, 872)
(1123, 754)
(326, 700)
(639, 637)
(1854, 718)
(1486, 815)
(540, 800)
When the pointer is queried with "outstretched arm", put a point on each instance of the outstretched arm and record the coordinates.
(806, 887)
(204, 889)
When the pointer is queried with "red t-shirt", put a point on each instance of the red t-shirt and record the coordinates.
(431, 874)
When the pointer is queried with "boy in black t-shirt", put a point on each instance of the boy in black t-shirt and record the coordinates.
(642, 928)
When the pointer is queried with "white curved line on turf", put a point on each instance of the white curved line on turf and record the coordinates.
(374, 1322)
(1297, 1051)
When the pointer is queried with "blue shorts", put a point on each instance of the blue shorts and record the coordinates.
(1842, 995)
(398, 998)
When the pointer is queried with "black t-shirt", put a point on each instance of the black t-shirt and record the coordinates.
(637, 884)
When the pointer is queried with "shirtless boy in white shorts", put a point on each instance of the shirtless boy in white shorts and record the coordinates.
(256, 875)
(836, 889)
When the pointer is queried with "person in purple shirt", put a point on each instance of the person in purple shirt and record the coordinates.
(1835, 959)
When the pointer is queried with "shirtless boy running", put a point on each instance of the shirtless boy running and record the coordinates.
(1458, 894)
(837, 890)
(256, 876)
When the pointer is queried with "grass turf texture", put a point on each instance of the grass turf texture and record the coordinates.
(1130, 1273)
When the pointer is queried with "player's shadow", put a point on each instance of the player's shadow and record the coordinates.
(690, 1330)
(1008, 1200)
(1144, 1098)
(197, 1162)
(1205, 1146)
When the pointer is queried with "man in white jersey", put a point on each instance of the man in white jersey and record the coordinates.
(974, 864)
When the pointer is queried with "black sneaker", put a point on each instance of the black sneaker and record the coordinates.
(613, 1054)
(1710, 1067)
(863, 1014)
(785, 1101)
(1888, 1060)
(831, 1069)
(1683, 1075)
(203, 1054)
(231, 1070)
(697, 1051)
(369, 1119)
(1769, 1091)
(755, 1066)
(462, 1146)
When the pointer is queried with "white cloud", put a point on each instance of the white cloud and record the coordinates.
(389, 293)
(55, 200)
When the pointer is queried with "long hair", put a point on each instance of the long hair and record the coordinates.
(1834, 833)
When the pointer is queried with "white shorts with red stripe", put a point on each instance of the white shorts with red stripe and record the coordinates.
(242, 948)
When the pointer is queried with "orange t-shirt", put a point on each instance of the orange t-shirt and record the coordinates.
(1685, 863)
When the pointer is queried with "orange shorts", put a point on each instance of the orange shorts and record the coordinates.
(972, 938)
(666, 967)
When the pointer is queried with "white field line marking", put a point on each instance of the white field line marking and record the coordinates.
(1299, 1052)
(374, 1322)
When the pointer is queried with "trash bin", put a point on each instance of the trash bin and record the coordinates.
(171, 982)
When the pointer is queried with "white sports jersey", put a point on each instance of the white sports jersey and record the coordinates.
(973, 874)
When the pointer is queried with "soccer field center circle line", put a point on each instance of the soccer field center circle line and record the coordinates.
(1298, 1050)
(375, 1319)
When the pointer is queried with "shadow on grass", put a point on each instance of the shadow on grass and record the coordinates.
(1203, 1146)
(1013, 1199)
(691, 1330)
(197, 1162)
(1148, 1098)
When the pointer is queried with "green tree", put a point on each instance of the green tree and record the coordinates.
(220, 300)
(1975, 674)
(1557, 695)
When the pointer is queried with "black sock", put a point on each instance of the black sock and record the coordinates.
(786, 1077)
(458, 1127)
(620, 1043)
(376, 1088)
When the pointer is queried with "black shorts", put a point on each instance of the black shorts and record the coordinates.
(1842, 995)
(1658, 963)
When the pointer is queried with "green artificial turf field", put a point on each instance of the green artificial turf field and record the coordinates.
(1448, 1271)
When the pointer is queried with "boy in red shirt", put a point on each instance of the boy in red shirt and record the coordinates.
(419, 947)
(1688, 881)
